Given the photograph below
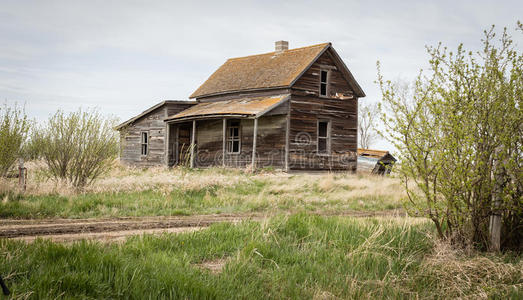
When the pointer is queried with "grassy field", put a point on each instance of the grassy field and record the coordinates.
(299, 256)
(293, 254)
(166, 192)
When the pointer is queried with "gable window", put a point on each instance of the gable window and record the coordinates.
(324, 137)
(324, 83)
(145, 143)
(233, 137)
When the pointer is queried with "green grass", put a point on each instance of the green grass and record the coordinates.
(253, 195)
(296, 257)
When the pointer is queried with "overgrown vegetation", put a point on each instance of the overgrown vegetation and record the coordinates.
(296, 257)
(14, 127)
(77, 147)
(459, 131)
(160, 191)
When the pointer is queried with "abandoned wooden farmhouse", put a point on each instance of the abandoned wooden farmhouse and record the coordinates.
(292, 109)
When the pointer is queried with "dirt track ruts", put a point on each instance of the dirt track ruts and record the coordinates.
(116, 228)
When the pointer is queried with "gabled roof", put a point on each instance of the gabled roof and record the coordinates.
(243, 107)
(151, 109)
(269, 71)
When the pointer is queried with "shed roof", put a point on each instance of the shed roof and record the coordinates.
(269, 70)
(151, 109)
(378, 154)
(243, 107)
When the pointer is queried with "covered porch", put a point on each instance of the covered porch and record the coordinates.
(243, 132)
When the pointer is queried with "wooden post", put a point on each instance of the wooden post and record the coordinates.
(255, 134)
(167, 142)
(177, 146)
(22, 174)
(287, 136)
(495, 217)
(224, 142)
(193, 137)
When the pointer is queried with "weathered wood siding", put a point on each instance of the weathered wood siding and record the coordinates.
(153, 124)
(309, 82)
(305, 113)
(307, 108)
(270, 143)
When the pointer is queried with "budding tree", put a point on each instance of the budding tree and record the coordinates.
(459, 133)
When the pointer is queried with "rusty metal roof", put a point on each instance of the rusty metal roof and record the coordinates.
(374, 153)
(269, 70)
(243, 107)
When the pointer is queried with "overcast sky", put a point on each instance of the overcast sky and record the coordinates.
(124, 56)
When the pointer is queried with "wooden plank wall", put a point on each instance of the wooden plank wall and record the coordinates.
(310, 80)
(304, 116)
(155, 126)
(131, 137)
(307, 108)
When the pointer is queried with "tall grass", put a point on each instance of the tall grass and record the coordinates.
(160, 191)
(299, 257)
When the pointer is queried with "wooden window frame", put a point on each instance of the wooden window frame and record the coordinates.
(327, 138)
(327, 83)
(230, 140)
(146, 143)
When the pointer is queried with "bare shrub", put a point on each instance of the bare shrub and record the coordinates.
(77, 147)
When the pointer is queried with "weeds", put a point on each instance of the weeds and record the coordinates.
(298, 256)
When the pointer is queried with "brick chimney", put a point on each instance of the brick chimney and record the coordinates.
(281, 46)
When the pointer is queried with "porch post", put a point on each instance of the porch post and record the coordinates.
(167, 142)
(224, 135)
(193, 137)
(287, 135)
(255, 134)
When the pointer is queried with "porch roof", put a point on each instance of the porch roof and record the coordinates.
(249, 107)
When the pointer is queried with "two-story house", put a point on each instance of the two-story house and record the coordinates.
(294, 109)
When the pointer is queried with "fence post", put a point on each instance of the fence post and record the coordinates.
(22, 175)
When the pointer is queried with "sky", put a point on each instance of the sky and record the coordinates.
(125, 56)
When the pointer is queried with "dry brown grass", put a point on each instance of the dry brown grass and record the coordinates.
(466, 274)
(126, 179)
(162, 191)
(123, 178)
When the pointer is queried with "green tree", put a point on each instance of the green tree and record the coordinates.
(14, 127)
(77, 147)
(459, 132)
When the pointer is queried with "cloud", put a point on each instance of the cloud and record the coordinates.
(123, 56)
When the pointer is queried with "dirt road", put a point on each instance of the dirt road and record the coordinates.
(117, 229)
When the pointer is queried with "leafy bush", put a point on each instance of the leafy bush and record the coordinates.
(77, 147)
(14, 127)
(459, 131)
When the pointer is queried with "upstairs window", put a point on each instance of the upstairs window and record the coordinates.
(145, 143)
(324, 83)
(233, 137)
(323, 137)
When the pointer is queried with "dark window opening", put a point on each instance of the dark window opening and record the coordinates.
(233, 137)
(323, 82)
(323, 137)
(145, 143)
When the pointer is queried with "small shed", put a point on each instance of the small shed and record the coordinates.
(378, 162)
